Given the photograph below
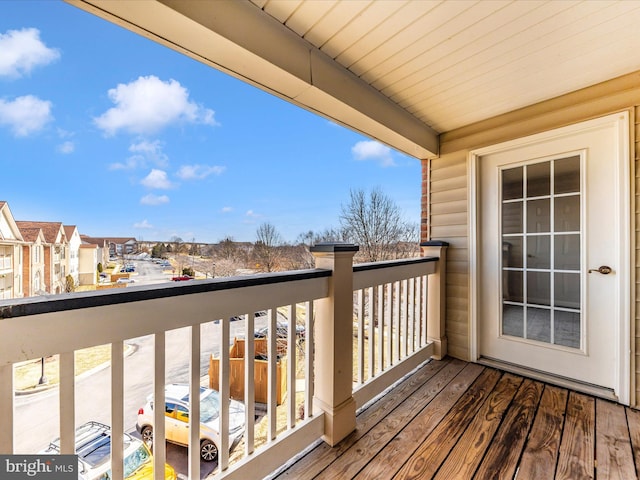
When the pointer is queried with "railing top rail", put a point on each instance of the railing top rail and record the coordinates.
(361, 267)
(21, 307)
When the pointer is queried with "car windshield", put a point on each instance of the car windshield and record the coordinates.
(135, 460)
(209, 407)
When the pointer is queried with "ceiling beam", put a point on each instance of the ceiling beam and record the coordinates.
(240, 39)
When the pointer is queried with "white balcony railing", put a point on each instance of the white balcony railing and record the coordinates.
(398, 323)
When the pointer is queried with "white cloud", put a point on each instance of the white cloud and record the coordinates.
(372, 150)
(147, 105)
(67, 147)
(199, 172)
(144, 223)
(154, 200)
(22, 50)
(252, 214)
(25, 115)
(157, 179)
(227, 209)
(144, 152)
(151, 151)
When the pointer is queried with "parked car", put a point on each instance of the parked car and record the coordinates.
(125, 280)
(235, 318)
(181, 278)
(93, 447)
(177, 420)
(281, 331)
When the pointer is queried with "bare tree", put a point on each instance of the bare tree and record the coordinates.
(266, 248)
(304, 242)
(374, 222)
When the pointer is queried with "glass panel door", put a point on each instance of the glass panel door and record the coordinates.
(541, 225)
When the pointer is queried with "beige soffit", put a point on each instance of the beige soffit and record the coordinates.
(400, 71)
(239, 38)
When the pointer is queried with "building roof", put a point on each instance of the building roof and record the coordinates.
(103, 240)
(69, 229)
(29, 231)
(9, 231)
(51, 230)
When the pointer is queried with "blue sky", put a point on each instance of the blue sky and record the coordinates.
(109, 131)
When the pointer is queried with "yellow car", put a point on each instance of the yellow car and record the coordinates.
(93, 447)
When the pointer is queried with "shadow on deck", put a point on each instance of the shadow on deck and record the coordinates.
(457, 420)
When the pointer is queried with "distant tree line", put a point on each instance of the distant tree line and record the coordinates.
(370, 220)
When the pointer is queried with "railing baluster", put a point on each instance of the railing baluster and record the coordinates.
(249, 384)
(194, 403)
(389, 293)
(308, 348)
(117, 410)
(291, 367)
(396, 314)
(67, 403)
(159, 436)
(413, 336)
(361, 317)
(380, 307)
(7, 408)
(272, 359)
(424, 309)
(372, 331)
(225, 395)
(405, 318)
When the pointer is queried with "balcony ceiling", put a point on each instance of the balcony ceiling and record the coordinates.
(398, 71)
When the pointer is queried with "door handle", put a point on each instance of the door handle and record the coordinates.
(604, 270)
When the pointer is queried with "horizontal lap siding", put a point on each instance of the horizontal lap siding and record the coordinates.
(449, 222)
(636, 346)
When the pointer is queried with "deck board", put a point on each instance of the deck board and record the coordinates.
(540, 455)
(452, 419)
(387, 462)
(576, 460)
(613, 444)
(501, 459)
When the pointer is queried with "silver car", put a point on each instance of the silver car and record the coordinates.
(177, 420)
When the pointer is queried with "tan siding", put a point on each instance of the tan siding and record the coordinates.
(448, 195)
(457, 169)
(454, 183)
(450, 207)
(449, 221)
(635, 357)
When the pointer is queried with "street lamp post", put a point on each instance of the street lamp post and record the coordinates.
(43, 380)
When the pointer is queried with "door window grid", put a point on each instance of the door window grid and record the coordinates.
(527, 315)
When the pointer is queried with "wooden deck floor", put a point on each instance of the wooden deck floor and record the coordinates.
(457, 420)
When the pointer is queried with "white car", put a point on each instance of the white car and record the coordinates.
(93, 447)
(177, 420)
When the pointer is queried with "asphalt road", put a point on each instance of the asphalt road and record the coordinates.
(36, 415)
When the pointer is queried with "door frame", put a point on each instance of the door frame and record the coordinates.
(624, 323)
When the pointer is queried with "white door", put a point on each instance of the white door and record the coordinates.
(553, 253)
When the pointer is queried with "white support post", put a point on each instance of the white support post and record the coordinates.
(117, 409)
(334, 342)
(436, 301)
(67, 393)
(194, 403)
(7, 408)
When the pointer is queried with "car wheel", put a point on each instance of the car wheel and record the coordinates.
(147, 436)
(208, 451)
